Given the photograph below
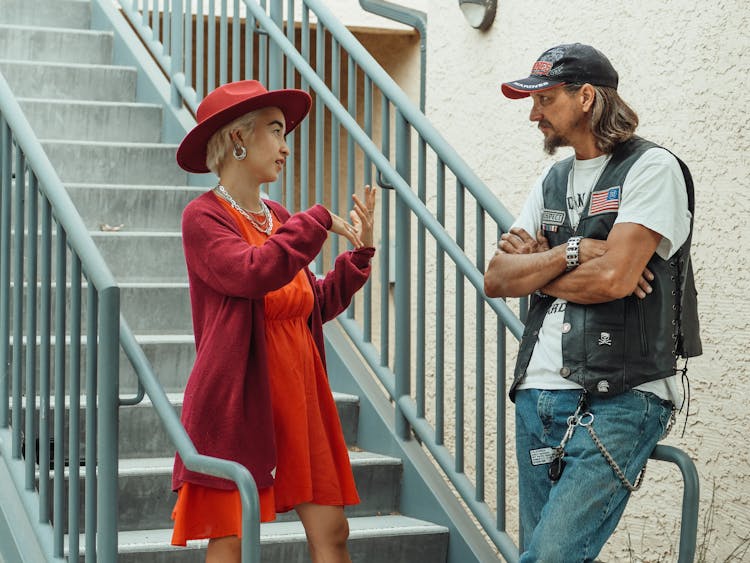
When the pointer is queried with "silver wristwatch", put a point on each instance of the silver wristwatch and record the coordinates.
(571, 253)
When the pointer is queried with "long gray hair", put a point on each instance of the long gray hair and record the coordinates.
(612, 120)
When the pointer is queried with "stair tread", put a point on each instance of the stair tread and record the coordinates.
(176, 398)
(48, 29)
(96, 103)
(140, 187)
(126, 233)
(292, 531)
(65, 64)
(140, 145)
(160, 465)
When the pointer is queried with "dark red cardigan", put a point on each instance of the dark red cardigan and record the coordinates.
(227, 408)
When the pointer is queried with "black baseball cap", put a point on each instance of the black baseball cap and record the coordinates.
(573, 63)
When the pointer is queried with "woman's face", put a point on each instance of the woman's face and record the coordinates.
(266, 148)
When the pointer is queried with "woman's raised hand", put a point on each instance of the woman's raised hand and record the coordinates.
(363, 215)
(359, 231)
(341, 227)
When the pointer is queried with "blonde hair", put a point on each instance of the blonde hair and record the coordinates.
(220, 144)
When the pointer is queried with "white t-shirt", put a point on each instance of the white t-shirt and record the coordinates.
(653, 195)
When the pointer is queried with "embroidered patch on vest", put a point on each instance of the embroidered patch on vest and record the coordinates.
(552, 219)
(605, 201)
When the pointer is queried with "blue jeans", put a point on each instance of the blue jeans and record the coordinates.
(571, 520)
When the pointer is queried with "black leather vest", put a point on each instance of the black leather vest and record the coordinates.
(615, 346)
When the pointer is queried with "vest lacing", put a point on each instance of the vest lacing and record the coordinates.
(677, 265)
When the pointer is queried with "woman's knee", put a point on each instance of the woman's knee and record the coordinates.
(325, 525)
(224, 550)
(341, 533)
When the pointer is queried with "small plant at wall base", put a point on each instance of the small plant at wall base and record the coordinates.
(737, 555)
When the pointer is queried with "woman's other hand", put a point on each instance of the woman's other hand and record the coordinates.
(341, 227)
(363, 216)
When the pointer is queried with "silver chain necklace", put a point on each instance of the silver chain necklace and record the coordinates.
(572, 186)
(265, 226)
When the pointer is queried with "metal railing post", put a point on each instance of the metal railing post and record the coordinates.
(176, 51)
(690, 498)
(107, 423)
(403, 276)
(5, 181)
(275, 78)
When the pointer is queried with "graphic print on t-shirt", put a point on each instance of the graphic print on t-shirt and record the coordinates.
(576, 202)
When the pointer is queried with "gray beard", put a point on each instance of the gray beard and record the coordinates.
(551, 144)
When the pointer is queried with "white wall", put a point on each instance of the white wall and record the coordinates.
(682, 67)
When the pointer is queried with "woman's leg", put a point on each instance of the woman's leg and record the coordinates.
(224, 550)
(327, 530)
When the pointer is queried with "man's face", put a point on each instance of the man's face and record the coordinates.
(559, 116)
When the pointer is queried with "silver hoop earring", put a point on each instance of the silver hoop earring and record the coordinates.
(239, 152)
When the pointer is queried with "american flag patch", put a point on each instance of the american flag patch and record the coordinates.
(605, 201)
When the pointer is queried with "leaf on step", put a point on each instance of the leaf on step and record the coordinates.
(109, 228)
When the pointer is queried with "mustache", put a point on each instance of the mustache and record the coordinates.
(544, 123)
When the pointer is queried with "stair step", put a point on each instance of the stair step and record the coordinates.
(146, 498)
(143, 437)
(29, 79)
(136, 208)
(170, 355)
(143, 256)
(149, 308)
(115, 163)
(58, 13)
(33, 43)
(372, 539)
(93, 121)
(156, 308)
(142, 434)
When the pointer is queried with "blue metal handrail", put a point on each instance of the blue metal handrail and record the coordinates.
(32, 168)
(106, 331)
(190, 456)
(409, 205)
(279, 54)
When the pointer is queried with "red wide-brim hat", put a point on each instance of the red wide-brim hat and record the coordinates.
(227, 103)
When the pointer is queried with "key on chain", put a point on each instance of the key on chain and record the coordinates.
(557, 466)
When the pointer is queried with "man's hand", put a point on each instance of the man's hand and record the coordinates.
(593, 248)
(518, 241)
(644, 288)
(619, 270)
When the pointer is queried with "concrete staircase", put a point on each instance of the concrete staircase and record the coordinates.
(107, 150)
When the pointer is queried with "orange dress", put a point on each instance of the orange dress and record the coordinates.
(312, 459)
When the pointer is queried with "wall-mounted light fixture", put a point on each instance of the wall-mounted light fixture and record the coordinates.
(479, 13)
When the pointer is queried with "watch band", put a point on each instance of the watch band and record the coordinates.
(571, 253)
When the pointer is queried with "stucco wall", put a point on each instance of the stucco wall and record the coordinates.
(682, 68)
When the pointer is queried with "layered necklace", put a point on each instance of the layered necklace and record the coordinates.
(264, 225)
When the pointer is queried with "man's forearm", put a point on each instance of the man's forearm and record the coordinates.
(588, 284)
(517, 275)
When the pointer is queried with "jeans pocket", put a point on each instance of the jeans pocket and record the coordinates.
(661, 409)
(666, 418)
